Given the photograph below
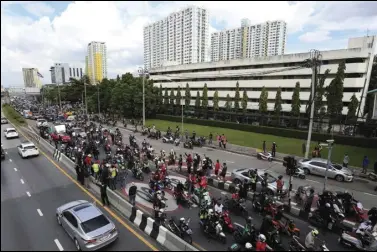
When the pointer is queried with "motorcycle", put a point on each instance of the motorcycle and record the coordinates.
(206, 200)
(167, 139)
(316, 219)
(177, 141)
(241, 237)
(351, 240)
(302, 193)
(295, 245)
(290, 230)
(299, 173)
(372, 176)
(214, 233)
(238, 207)
(265, 156)
(182, 198)
(226, 222)
(198, 142)
(188, 145)
(185, 233)
(274, 240)
(269, 207)
(138, 174)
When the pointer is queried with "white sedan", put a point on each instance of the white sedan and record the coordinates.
(28, 149)
(10, 133)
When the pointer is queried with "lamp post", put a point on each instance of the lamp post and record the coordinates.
(329, 145)
(99, 110)
(143, 72)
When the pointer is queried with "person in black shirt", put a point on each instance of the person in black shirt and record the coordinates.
(104, 198)
(132, 193)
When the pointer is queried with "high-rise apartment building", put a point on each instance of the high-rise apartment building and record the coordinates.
(96, 62)
(266, 39)
(181, 38)
(31, 77)
(61, 73)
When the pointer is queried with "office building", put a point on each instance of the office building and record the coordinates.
(96, 62)
(273, 72)
(247, 41)
(181, 38)
(31, 77)
(62, 72)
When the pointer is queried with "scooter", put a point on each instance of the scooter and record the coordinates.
(177, 141)
(372, 176)
(265, 156)
(138, 174)
(167, 139)
(216, 234)
(295, 245)
(351, 240)
(188, 145)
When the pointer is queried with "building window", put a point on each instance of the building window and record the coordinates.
(77, 73)
(70, 72)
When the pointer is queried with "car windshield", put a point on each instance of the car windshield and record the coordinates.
(272, 176)
(337, 166)
(94, 224)
(29, 147)
(12, 131)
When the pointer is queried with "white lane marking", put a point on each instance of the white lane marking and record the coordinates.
(39, 212)
(10, 160)
(15, 169)
(374, 195)
(230, 162)
(28, 194)
(22, 181)
(313, 181)
(60, 247)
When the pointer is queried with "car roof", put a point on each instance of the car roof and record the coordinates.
(318, 160)
(86, 211)
(26, 144)
(10, 129)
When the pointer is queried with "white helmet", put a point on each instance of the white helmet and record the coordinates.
(182, 219)
(248, 245)
(158, 192)
(328, 205)
(162, 210)
(262, 238)
(163, 151)
(210, 211)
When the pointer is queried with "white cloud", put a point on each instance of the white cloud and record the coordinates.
(40, 43)
(39, 9)
(316, 36)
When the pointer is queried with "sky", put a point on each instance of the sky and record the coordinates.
(39, 34)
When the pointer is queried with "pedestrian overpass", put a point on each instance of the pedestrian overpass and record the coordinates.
(16, 91)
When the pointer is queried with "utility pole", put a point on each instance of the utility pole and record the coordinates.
(329, 146)
(86, 104)
(99, 110)
(60, 100)
(315, 63)
(143, 72)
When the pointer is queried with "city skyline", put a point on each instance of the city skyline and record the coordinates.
(66, 31)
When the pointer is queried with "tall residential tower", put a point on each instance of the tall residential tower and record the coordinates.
(96, 62)
(181, 38)
(248, 41)
(31, 77)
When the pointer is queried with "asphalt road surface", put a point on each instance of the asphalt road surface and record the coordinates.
(31, 190)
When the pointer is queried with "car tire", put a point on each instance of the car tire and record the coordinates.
(77, 245)
(306, 171)
(339, 178)
(58, 220)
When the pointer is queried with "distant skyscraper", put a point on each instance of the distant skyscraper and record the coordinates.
(96, 62)
(31, 77)
(266, 39)
(62, 72)
(181, 38)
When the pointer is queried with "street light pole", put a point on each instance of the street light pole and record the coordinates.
(99, 110)
(329, 146)
(315, 57)
(143, 72)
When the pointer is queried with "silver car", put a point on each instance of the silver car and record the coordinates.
(317, 166)
(4, 120)
(240, 175)
(88, 227)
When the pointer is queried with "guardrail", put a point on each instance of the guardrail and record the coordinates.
(148, 225)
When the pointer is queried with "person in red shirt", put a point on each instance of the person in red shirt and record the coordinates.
(88, 160)
(203, 182)
(279, 185)
(217, 167)
(191, 182)
(189, 163)
(261, 244)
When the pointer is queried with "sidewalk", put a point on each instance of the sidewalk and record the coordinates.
(249, 151)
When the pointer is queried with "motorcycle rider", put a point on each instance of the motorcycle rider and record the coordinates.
(261, 244)
(347, 200)
(253, 179)
(179, 190)
(172, 157)
(218, 208)
(310, 240)
(144, 143)
(309, 201)
(189, 162)
(372, 215)
(325, 212)
(267, 225)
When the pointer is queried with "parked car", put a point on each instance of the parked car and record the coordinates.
(240, 175)
(10, 133)
(4, 120)
(27, 149)
(317, 166)
(87, 226)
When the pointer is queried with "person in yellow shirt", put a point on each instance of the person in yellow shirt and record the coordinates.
(95, 168)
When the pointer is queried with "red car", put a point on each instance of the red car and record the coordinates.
(64, 137)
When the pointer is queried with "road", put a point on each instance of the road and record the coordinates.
(361, 190)
(31, 190)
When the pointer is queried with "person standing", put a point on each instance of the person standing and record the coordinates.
(365, 164)
(253, 180)
(219, 140)
(274, 149)
(132, 193)
(223, 171)
(279, 185)
(346, 160)
(223, 140)
(104, 198)
(210, 138)
(264, 147)
(309, 201)
(217, 168)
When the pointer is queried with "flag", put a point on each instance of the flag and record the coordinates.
(39, 75)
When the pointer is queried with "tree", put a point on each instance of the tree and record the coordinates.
(263, 98)
(334, 95)
(352, 108)
(244, 102)
(205, 101)
(166, 100)
(187, 97)
(178, 99)
(215, 103)
(237, 97)
(296, 105)
(277, 107)
(197, 104)
(171, 101)
(368, 109)
(160, 99)
(228, 105)
(319, 104)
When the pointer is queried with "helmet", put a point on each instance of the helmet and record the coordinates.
(315, 232)
(182, 219)
(158, 192)
(328, 205)
(163, 151)
(248, 245)
(161, 210)
(280, 177)
(249, 219)
(262, 238)
(210, 211)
